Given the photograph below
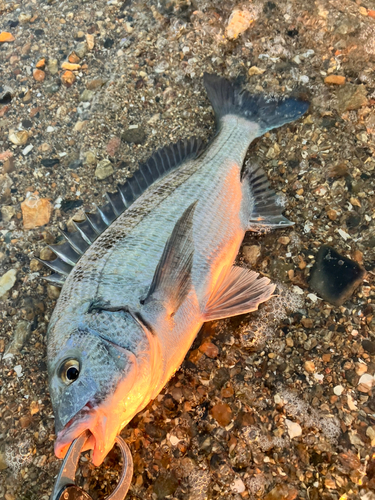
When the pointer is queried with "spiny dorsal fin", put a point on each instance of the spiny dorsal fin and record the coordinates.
(172, 278)
(266, 211)
(240, 292)
(162, 162)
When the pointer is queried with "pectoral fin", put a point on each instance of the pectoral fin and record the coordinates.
(240, 292)
(172, 278)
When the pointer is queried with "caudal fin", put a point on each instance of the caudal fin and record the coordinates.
(228, 98)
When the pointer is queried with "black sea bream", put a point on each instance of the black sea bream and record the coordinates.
(142, 274)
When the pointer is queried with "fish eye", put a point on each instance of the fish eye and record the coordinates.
(69, 371)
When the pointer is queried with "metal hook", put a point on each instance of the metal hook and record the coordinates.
(65, 482)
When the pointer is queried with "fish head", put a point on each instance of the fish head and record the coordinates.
(94, 384)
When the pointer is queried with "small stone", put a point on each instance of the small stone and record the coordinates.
(47, 254)
(70, 66)
(251, 254)
(238, 23)
(134, 135)
(289, 342)
(7, 212)
(5, 185)
(335, 277)
(27, 150)
(284, 240)
(351, 97)
(154, 118)
(307, 322)
(113, 146)
(24, 17)
(36, 211)
(39, 75)
(366, 383)
(81, 50)
(53, 292)
(74, 58)
(360, 368)
(332, 214)
(86, 96)
(68, 78)
(90, 158)
(95, 84)
(75, 164)
(25, 421)
(165, 485)
(104, 169)
(7, 281)
(222, 413)
(339, 170)
(34, 407)
(35, 265)
(18, 138)
(209, 349)
(294, 429)
(254, 70)
(369, 346)
(338, 390)
(3, 462)
(50, 162)
(6, 37)
(90, 39)
(282, 492)
(238, 486)
(334, 80)
(309, 366)
(80, 125)
(53, 66)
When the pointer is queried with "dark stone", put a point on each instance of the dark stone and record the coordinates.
(49, 162)
(368, 346)
(292, 33)
(166, 484)
(155, 432)
(269, 8)
(134, 135)
(352, 377)
(335, 277)
(108, 43)
(353, 220)
(38, 32)
(67, 205)
(221, 378)
(53, 87)
(75, 164)
(5, 98)
(13, 24)
(27, 123)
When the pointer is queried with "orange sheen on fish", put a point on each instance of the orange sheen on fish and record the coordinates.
(142, 274)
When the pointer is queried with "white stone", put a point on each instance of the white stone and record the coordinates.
(338, 390)
(50, 129)
(367, 380)
(7, 281)
(18, 370)
(27, 149)
(174, 440)
(294, 429)
(238, 486)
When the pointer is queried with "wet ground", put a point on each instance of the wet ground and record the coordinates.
(274, 405)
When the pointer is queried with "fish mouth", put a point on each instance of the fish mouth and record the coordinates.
(102, 436)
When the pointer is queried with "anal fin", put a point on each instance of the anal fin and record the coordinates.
(240, 292)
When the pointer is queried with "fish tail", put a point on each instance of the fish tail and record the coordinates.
(266, 111)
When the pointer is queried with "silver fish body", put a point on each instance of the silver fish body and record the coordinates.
(132, 305)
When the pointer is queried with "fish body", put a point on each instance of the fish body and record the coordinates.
(133, 303)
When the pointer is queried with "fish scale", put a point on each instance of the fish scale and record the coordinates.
(159, 265)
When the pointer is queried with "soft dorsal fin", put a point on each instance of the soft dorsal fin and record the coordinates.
(240, 292)
(162, 162)
(172, 278)
(266, 211)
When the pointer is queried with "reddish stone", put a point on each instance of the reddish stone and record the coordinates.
(222, 413)
(209, 349)
(113, 146)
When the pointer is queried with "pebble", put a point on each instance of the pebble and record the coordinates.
(294, 429)
(238, 486)
(282, 492)
(27, 150)
(366, 383)
(7, 212)
(81, 50)
(351, 97)
(95, 84)
(165, 485)
(222, 413)
(39, 75)
(113, 146)
(251, 254)
(238, 23)
(104, 169)
(209, 349)
(86, 96)
(18, 370)
(35, 265)
(7, 281)
(309, 366)
(50, 162)
(335, 277)
(134, 135)
(338, 390)
(90, 39)
(53, 66)
(70, 66)
(369, 346)
(254, 70)
(90, 158)
(36, 211)
(18, 138)
(3, 462)
(53, 292)
(68, 78)
(34, 407)
(284, 240)
(6, 37)
(74, 58)
(335, 80)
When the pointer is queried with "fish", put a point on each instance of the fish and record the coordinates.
(142, 273)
